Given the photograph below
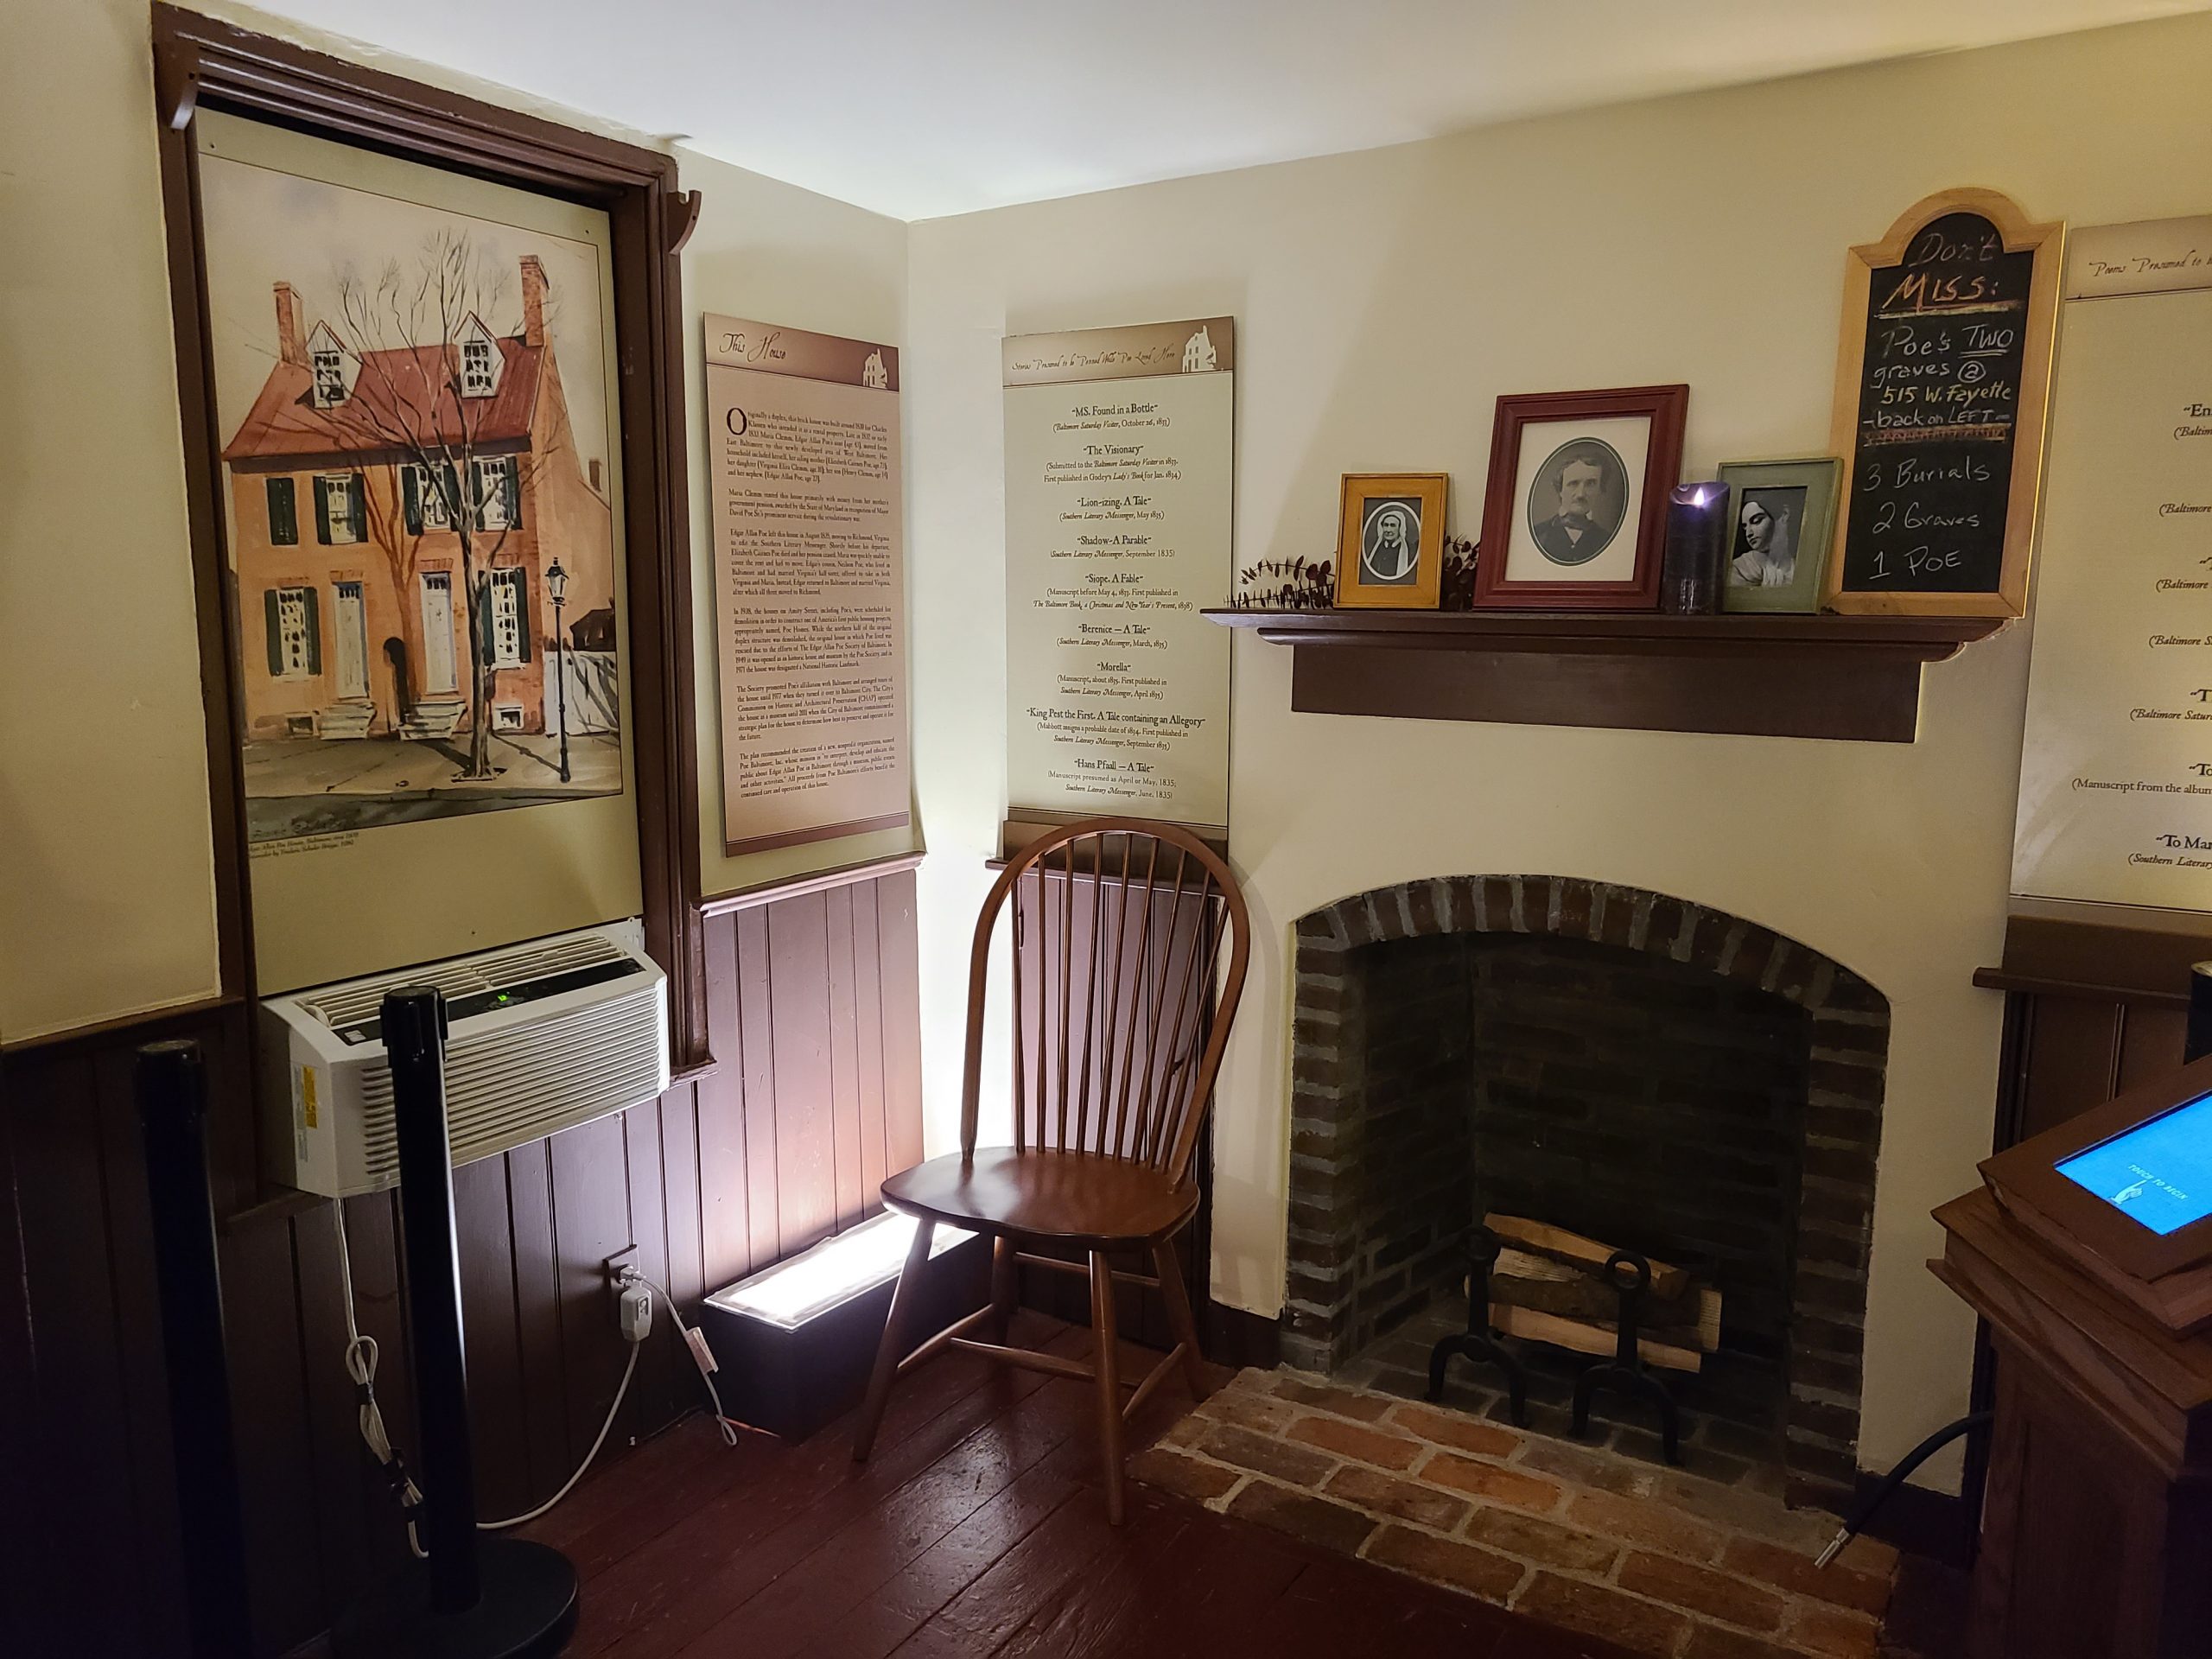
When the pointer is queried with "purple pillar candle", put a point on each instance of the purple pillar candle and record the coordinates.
(1697, 539)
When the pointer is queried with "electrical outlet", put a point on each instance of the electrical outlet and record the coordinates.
(612, 1266)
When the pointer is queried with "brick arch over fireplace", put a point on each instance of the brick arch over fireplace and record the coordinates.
(1344, 1281)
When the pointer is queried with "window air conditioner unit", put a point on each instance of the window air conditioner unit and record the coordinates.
(541, 1037)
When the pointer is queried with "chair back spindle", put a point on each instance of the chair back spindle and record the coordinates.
(1127, 953)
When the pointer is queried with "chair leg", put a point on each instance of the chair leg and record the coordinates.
(1179, 1319)
(894, 1346)
(1006, 1287)
(1106, 1364)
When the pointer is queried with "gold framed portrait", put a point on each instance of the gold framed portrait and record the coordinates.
(1390, 540)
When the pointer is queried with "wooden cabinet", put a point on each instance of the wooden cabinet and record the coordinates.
(2097, 1517)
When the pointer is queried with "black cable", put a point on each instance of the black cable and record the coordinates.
(1865, 1510)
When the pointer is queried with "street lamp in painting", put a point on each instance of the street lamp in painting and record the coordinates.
(557, 587)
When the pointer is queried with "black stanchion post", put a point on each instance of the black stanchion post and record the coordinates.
(2197, 1042)
(415, 1038)
(172, 1091)
(480, 1597)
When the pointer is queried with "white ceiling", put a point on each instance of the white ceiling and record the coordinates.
(923, 108)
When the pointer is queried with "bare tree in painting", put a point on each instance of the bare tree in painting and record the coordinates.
(402, 336)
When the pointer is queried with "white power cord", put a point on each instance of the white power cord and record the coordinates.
(702, 1355)
(628, 1371)
(637, 1324)
(361, 1366)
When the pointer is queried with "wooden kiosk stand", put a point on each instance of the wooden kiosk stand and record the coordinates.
(2088, 1251)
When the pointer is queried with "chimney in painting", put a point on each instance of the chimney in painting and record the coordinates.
(533, 301)
(287, 327)
(595, 484)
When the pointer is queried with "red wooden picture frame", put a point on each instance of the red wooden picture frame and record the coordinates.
(1667, 407)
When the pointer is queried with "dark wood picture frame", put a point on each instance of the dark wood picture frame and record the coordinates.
(202, 63)
(1667, 408)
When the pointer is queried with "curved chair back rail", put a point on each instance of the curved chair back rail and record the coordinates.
(1121, 1003)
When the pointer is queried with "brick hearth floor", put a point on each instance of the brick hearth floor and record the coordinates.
(1660, 1560)
(1718, 1438)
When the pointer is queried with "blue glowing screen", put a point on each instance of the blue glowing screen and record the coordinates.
(2160, 1172)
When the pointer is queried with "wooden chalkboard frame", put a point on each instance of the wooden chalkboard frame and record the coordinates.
(2045, 241)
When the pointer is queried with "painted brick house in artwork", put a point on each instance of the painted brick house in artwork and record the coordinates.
(354, 618)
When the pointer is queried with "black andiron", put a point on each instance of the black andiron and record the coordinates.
(1480, 1342)
(1630, 1274)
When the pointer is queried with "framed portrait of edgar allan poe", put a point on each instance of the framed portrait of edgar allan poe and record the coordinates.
(1390, 540)
(1576, 503)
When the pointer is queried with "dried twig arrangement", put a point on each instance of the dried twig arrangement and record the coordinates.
(1286, 585)
(1311, 585)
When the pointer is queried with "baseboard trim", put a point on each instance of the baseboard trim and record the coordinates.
(1232, 1336)
(1922, 1522)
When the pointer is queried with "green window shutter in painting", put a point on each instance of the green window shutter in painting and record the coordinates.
(283, 513)
(511, 485)
(321, 510)
(525, 619)
(312, 598)
(411, 480)
(357, 487)
(270, 602)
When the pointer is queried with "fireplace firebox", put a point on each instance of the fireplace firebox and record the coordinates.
(1619, 1063)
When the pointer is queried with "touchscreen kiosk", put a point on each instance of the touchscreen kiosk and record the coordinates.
(2159, 1173)
(2125, 1193)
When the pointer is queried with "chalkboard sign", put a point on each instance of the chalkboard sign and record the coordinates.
(1941, 386)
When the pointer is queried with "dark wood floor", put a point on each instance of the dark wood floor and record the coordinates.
(976, 1530)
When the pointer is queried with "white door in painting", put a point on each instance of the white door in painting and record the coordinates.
(437, 631)
(353, 642)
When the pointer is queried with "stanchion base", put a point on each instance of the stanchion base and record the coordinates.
(528, 1611)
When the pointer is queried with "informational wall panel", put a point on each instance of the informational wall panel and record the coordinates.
(1120, 463)
(809, 584)
(2116, 773)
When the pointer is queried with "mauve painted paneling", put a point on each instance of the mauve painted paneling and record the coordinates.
(816, 1025)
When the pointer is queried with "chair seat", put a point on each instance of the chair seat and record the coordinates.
(1077, 1196)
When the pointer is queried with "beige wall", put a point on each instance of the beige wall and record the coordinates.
(784, 255)
(106, 879)
(1383, 300)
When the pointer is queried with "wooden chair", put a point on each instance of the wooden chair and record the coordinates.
(1118, 933)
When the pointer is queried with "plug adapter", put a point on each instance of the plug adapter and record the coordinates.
(636, 1311)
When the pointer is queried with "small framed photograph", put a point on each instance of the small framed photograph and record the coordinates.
(1390, 540)
(1781, 519)
(1576, 505)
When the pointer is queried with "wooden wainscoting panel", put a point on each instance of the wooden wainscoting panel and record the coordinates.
(2152, 1037)
(845, 1058)
(815, 1023)
(806, 1145)
(755, 1107)
(2073, 1060)
(899, 995)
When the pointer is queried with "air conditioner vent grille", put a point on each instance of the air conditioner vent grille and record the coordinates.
(346, 1005)
(504, 1089)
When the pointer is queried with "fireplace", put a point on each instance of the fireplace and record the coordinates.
(1625, 1064)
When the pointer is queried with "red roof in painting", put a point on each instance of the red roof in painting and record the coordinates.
(397, 391)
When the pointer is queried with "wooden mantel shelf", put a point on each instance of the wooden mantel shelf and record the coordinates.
(1832, 676)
